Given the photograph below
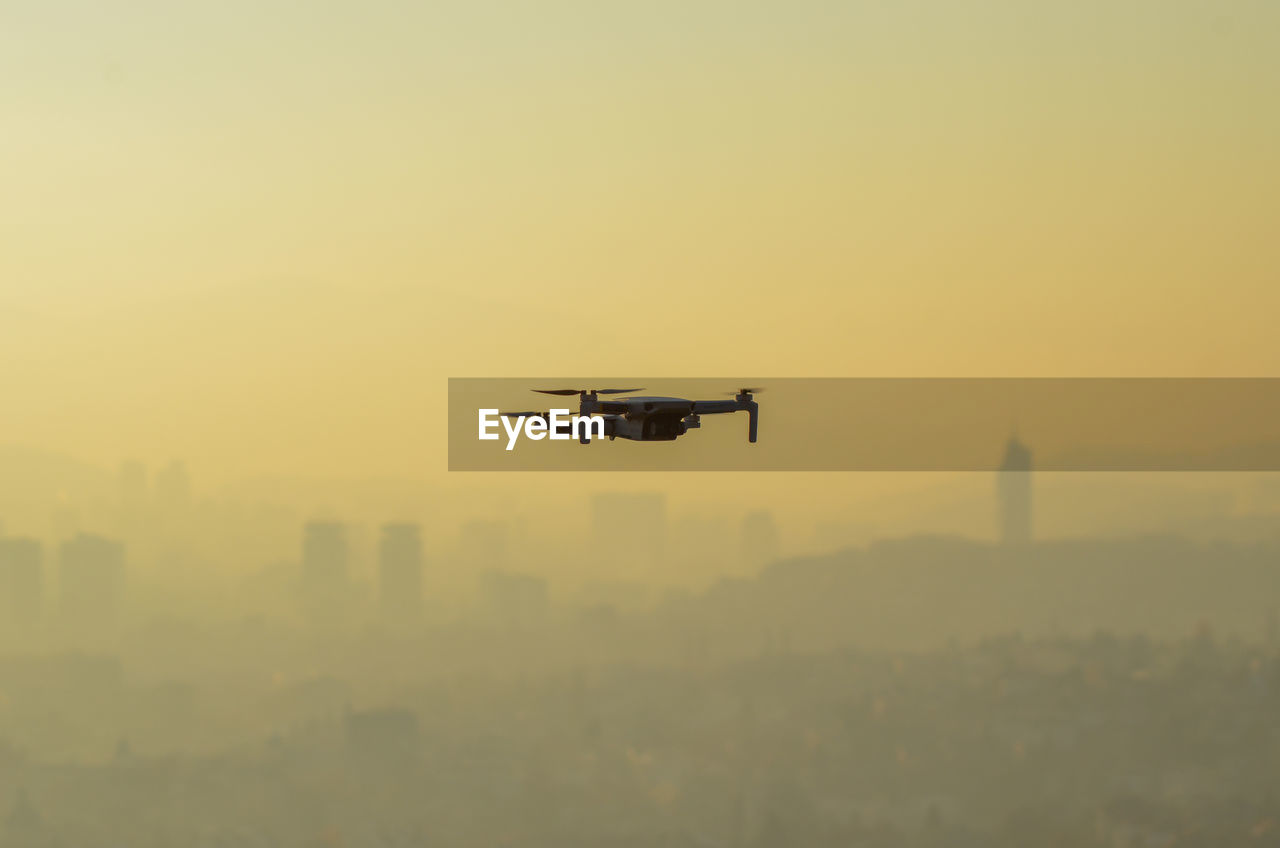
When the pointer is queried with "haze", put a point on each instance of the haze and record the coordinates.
(260, 237)
(244, 245)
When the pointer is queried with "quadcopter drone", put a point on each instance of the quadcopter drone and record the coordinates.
(650, 419)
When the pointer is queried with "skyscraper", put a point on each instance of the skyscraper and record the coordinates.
(400, 573)
(325, 578)
(1013, 483)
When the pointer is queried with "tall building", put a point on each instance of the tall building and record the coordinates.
(90, 581)
(1013, 484)
(400, 572)
(21, 581)
(629, 528)
(325, 576)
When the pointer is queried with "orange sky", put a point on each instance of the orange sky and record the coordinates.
(260, 237)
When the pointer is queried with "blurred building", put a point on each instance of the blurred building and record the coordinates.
(1013, 484)
(324, 554)
(90, 581)
(326, 581)
(21, 581)
(400, 573)
(629, 528)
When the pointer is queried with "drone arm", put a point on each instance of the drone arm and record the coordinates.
(713, 407)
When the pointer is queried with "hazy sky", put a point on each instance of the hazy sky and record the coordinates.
(261, 235)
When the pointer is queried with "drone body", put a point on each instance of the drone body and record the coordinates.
(652, 418)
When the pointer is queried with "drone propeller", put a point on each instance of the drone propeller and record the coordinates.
(585, 391)
(747, 391)
(521, 414)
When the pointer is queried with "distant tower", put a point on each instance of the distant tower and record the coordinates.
(325, 587)
(91, 581)
(21, 581)
(1013, 484)
(400, 572)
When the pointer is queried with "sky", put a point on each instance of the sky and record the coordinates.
(261, 236)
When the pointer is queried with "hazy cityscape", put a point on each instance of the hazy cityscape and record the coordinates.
(378, 687)
(939, 499)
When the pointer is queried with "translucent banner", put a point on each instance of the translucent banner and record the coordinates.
(864, 424)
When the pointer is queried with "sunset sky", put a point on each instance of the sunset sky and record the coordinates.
(260, 236)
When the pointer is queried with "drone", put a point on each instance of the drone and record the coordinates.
(648, 418)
